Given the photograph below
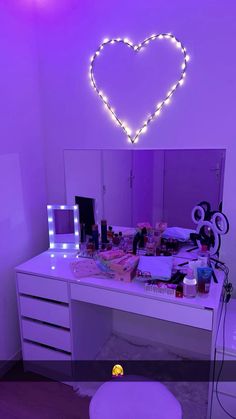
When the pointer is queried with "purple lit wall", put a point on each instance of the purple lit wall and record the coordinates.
(47, 105)
(201, 114)
(23, 216)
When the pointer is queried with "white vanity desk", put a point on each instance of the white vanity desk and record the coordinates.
(57, 323)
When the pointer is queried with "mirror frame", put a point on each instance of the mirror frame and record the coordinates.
(51, 227)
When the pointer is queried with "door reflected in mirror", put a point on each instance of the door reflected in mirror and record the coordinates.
(133, 186)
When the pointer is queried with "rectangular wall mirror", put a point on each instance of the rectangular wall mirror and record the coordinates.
(131, 186)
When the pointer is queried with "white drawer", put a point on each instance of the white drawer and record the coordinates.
(174, 312)
(54, 364)
(229, 404)
(38, 286)
(34, 352)
(45, 311)
(47, 335)
(226, 387)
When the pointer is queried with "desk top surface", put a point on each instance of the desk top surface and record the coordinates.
(56, 265)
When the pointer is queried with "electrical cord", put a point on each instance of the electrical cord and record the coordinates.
(228, 289)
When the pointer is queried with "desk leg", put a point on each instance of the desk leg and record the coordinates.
(215, 327)
(91, 326)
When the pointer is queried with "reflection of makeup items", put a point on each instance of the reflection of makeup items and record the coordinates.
(139, 240)
(104, 231)
(110, 233)
(95, 235)
(82, 232)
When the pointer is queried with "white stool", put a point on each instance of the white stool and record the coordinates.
(134, 400)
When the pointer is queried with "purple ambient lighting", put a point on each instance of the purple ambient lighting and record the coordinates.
(137, 48)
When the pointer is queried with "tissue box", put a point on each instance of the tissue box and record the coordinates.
(124, 268)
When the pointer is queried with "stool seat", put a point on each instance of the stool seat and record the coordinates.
(134, 400)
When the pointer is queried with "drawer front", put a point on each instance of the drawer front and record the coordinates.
(47, 335)
(45, 311)
(38, 286)
(228, 402)
(226, 387)
(59, 371)
(174, 312)
(34, 352)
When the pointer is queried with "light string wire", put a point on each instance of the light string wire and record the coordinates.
(137, 48)
(227, 290)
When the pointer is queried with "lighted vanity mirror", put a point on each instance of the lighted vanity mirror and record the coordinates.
(63, 226)
(131, 186)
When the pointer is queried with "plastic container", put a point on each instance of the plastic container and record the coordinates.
(190, 283)
(204, 279)
(204, 256)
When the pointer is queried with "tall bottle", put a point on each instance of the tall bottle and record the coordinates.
(104, 231)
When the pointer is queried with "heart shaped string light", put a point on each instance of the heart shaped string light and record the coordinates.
(138, 47)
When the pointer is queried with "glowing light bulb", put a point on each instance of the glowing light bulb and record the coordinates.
(144, 129)
(50, 219)
(53, 267)
(167, 101)
(51, 232)
(76, 233)
(64, 246)
(64, 256)
(160, 36)
(187, 58)
(181, 82)
(49, 207)
(62, 207)
(52, 255)
(105, 41)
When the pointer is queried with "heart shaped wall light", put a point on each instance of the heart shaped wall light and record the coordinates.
(137, 48)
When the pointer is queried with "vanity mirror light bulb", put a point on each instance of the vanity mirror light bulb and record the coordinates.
(76, 233)
(51, 232)
(52, 255)
(62, 207)
(77, 246)
(53, 267)
(76, 220)
(50, 219)
(52, 245)
(49, 207)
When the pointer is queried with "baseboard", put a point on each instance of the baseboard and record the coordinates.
(6, 366)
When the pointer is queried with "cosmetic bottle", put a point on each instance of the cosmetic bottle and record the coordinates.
(203, 256)
(95, 235)
(190, 284)
(104, 231)
(110, 233)
(204, 275)
(116, 239)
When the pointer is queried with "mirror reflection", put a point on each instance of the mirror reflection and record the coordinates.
(128, 187)
(64, 226)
